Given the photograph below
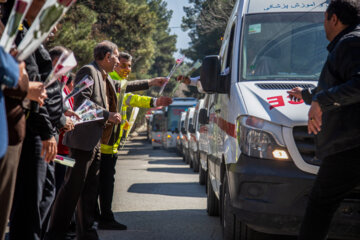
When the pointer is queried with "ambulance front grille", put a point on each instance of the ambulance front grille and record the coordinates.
(306, 145)
(282, 86)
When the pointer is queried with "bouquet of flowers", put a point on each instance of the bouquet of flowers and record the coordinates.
(89, 116)
(120, 98)
(86, 82)
(128, 126)
(69, 162)
(45, 21)
(64, 65)
(192, 69)
(88, 112)
(133, 116)
(176, 65)
(15, 19)
(85, 106)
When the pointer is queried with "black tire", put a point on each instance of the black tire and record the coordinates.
(212, 201)
(228, 217)
(196, 163)
(202, 175)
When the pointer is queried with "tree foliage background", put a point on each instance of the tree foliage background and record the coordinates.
(140, 27)
(206, 20)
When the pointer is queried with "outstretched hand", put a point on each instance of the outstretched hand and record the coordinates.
(158, 81)
(163, 101)
(295, 94)
(184, 79)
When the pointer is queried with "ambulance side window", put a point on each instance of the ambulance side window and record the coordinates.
(228, 56)
(230, 49)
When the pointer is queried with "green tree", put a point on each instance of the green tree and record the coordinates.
(77, 33)
(165, 42)
(131, 26)
(206, 20)
(140, 27)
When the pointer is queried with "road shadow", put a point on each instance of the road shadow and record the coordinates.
(185, 170)
(186, 189)
(189, 224)
(168, 162)
(135, 151)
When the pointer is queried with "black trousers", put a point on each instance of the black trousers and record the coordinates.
(79, 190)
(34, 192)
(8, 171)
(338, 175)
(60, 171)
(106, 188)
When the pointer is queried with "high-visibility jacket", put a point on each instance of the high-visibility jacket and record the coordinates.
(130, 100)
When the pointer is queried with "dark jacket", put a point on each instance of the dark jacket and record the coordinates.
(45, 120)
(338, 93)
(86, 136)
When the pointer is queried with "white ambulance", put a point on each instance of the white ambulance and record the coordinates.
(204, 143)
(156, 131)
(261, 161)
(195, 138)
(171, 119)
(187, 134)
(180, 136)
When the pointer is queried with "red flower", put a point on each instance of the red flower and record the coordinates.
(58, 68)
(64, 79)
(66, 3)
(20, 6)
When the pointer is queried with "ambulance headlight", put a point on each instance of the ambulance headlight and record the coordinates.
(261, 139)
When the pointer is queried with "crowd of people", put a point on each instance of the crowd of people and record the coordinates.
(39, 199)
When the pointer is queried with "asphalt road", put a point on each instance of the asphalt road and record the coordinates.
(158, 197)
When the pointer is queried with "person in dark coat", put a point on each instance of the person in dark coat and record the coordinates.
(334, 118)
(35, 178)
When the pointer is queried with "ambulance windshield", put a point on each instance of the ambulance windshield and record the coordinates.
(283, 46)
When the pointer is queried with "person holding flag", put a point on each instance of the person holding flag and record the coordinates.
(109, 151)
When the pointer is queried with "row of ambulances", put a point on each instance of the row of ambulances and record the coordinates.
(254, 150)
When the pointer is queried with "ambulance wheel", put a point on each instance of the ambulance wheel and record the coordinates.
(202, 175)
(212, 207)
(196, 163)
(228, 217)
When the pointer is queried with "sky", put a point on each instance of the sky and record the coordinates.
(175, 22)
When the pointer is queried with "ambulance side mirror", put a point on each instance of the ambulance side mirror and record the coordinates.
(212, 80)
(183, 131)
(203, 118)
(191, 128)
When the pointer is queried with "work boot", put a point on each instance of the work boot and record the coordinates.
(111, 225)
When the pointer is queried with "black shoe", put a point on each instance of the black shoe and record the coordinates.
(111, 225)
